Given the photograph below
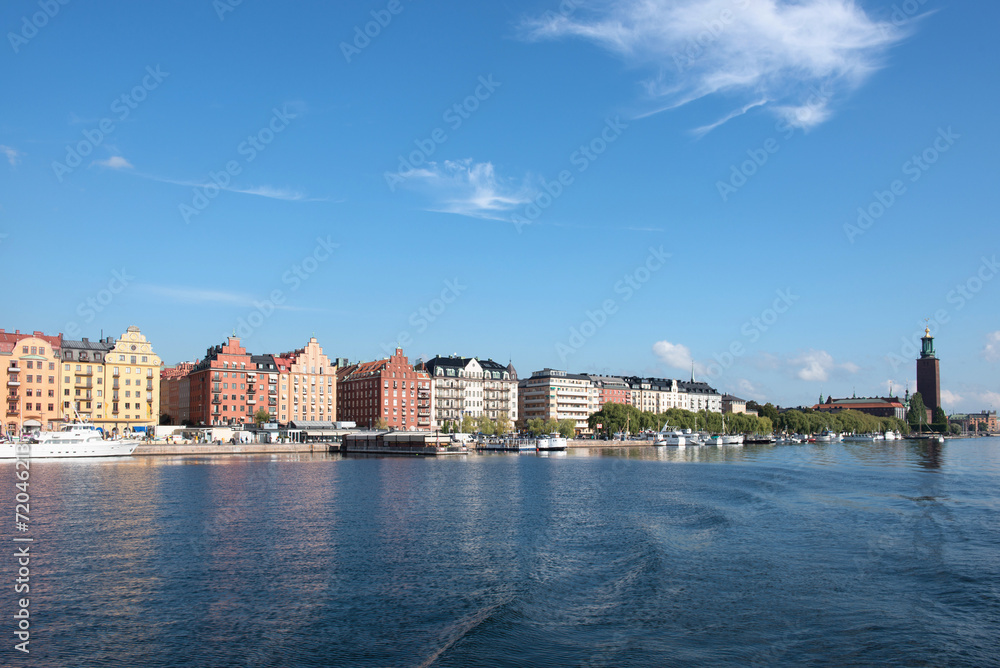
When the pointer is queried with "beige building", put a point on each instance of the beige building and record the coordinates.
(553, 394)
(31, 380)
(83, 390)
(308, 384)
(469, 386)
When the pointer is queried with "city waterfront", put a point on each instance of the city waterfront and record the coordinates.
(838, 554)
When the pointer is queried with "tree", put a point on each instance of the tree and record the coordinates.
(917, 415)
(503, 425)
(567, 428)
(261, 416)
(484, 425)
(769, 411)
(940, 420)
(381, 424)
(468, 424)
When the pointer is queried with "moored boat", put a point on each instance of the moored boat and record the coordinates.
(72, 440)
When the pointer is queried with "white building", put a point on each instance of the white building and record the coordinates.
(469, 386)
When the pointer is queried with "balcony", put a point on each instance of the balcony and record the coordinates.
(85, 373)
(83, 383)
(14, 369)
(251, 400)
(13, 411)
(216, 401)
(115, 373)
(13, 383)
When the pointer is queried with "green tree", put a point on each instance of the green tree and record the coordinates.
(567, 428)
(503, 425)
(468, 424)
(261, 416)
(769, 411)
(536, 426)
(485, 425)
(381, 424)
(917, 415)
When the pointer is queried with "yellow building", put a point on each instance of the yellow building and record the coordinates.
(82, 388)
(131, 387)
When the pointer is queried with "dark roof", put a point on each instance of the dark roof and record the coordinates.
(102, 345)
(446, 362)
(730, 397)
(696, 387)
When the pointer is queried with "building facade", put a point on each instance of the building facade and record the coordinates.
(557, 395)
(876, 406)
(218, 386)
(468, 386)
(175, 393)
(131, 385)
(387, 391)
(31, 374)
(611, 389)
(83, 389)
(733, 404)
(312, 384)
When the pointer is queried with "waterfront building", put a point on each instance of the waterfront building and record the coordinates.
(877, 406)
(733, 404)
(131, 385)
(557, 395)
(312, 384)
(32, 379)
(83, 389)
(468, 386)
(267, 387)
(657, 395)
(984, 421)
(388, 390)
(175, 393)
(611, 389)
(218, 386)
(929, 375)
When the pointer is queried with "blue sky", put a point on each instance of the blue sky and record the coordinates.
(612, 186)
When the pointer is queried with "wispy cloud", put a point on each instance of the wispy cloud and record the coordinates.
(949, 398)
(676, 355)
(13, 155)
(816, 365)
(196, 295)
(469, 188)
(765, 52)
(114, 162)
(992, 350)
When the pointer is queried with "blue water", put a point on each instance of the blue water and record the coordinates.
(825, 555)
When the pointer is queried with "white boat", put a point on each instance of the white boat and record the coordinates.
(861, 438)
(828, 437)
(789, 440)
(732, 439)
(73, 440)
(553, 441)
(676, 438)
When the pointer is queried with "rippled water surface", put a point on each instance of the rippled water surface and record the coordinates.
(829, 555)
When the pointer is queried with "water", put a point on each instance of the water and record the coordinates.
(826, 555)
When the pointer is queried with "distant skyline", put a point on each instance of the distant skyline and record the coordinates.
(783, 195)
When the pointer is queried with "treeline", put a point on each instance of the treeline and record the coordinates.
(613, 417)
(478, 425)
(809, 421)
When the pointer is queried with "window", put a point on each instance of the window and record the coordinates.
(145, 359)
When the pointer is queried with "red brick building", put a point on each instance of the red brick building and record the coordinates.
(387, 389)
(611, 389)
(218, 386)
(175, 393)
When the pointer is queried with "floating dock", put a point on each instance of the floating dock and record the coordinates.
(407, 443)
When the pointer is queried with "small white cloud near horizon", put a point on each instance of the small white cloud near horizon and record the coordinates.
(114, 162)
(12, 154)
(949, 398)
(779, 51)
(285, 194)
(469, 188)
(749, 390)
(990, 398)
(194, 295)
(992, 350)
(816, 365)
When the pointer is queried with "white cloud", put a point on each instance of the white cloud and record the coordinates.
(469, 188)
(748, 390)
(286, 194)
(992, 350)
(795, 55)
(114, 162)
(195, 295)
(816, 365)
(673, 354)
(991, 399)
(949, 398)
(13, 155)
